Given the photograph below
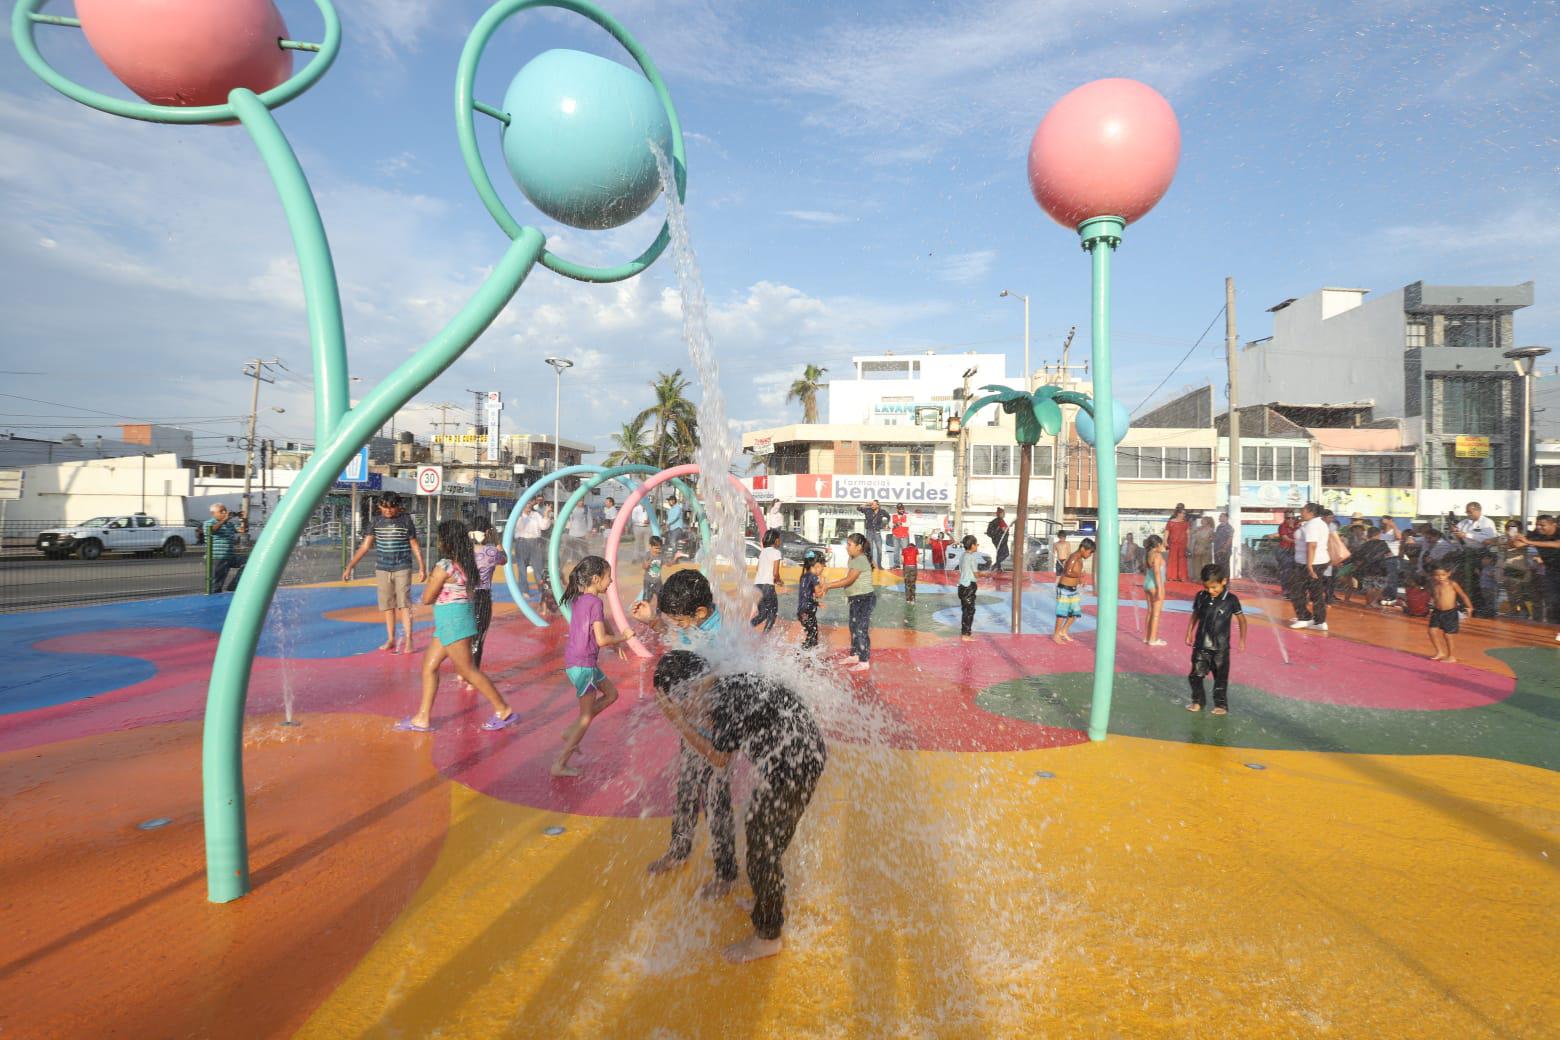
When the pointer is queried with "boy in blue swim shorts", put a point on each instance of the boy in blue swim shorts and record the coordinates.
(1069, 591)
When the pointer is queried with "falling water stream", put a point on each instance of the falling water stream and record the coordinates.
(896, 849)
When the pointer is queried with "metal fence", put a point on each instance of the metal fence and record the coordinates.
(39, 570)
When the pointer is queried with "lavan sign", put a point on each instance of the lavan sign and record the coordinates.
(826, 487)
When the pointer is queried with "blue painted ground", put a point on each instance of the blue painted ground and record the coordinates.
(295, 628)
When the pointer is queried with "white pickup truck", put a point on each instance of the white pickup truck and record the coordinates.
(135, 533)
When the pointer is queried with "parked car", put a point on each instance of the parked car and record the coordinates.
(133, 533)
(793, 547)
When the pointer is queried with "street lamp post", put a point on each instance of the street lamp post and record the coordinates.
(1029, 382)
(1525, 358)
(558, 365)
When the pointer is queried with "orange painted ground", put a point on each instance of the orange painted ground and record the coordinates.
(107, 931)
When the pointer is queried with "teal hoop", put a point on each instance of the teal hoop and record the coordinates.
(465, 128)
(23, 23)
(555, 540)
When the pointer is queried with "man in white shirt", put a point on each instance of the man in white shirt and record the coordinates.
(640, 518)
(530, 553)
(1308, 594)
(1475, 528)
(1472, 532)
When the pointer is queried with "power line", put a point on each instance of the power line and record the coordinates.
(1179, 363)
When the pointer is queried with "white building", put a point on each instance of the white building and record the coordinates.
(70, 492)
(887, 438)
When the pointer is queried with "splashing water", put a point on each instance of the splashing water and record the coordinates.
(890, 841)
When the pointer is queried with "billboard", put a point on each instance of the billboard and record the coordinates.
(1269, 494)
(1371, 502)
(828, 487)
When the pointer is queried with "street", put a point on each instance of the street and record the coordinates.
(31, 582)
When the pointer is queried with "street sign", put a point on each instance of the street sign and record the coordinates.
(11, 481)
(429, 479)
(357, 470)
(1472, 447)
(492, 409)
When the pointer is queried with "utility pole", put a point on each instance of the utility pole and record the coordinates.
(255, 369)
(961, 463)
(1232, 356)
(1059, 462)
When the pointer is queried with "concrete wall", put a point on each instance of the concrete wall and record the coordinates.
(69, 492)
(1324, 351)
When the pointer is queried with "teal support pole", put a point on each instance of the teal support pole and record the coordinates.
(227, 849)
(1101, 236)
(322, 298)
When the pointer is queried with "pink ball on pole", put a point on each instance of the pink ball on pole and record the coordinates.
(1109, 148)
(186, 53)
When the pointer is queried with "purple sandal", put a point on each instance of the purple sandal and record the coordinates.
(406, 725)
(496, 723)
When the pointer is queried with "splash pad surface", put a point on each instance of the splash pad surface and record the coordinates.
(1386, 871)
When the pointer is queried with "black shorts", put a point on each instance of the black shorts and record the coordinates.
(1448, 621)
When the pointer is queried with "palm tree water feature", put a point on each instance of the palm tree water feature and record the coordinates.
(596, 173)
(1102, 157)
(1034, 413)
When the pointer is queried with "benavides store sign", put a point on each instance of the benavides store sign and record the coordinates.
(828, 487)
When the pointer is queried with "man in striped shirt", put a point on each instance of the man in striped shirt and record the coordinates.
(222, 535)
(393, 538)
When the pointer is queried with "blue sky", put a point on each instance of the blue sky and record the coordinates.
(856, 184)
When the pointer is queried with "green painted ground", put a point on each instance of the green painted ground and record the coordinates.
(1524, 728)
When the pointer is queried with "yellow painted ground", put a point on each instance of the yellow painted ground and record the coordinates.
(1149, 889)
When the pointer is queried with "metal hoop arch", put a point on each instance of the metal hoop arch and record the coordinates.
(23, 24)
(466, 106)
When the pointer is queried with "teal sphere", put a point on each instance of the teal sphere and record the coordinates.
(578, 138)
(1085, 423)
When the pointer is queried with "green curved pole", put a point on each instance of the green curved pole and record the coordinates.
(1101, 236)
(321, 297)
(227, 850)
(555, 540)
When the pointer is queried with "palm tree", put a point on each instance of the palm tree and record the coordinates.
(806, 390)
(629, 447)
(673, 422)
(1033, 414)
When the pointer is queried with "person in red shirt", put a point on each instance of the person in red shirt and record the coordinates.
(899, 526)
(909, 556)
(939, 546)
(1286, 546)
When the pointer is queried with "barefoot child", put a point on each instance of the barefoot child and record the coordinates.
(769, 724)
(809, 595)
(587, 636)
(1154, 587)
(768, 582)
(650, 591)
(969, 571)
(1069, 594)
(862, 597)
(455, 628)
(688, 614)
(1208, 634)
(1445, 597)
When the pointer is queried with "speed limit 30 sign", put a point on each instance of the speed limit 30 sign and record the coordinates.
(429, 479)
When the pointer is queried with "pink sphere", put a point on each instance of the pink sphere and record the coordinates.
(188, 52)
(1109, 148)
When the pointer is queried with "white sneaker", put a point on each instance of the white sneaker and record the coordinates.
(1319, 628)
(1301, 623)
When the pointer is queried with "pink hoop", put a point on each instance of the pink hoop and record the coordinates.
(615, 538)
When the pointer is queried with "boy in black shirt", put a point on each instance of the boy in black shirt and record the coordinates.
(769, 724)
(1208, 635)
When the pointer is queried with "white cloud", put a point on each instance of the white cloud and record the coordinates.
(180, 246)
(816, 216)
(963, 268)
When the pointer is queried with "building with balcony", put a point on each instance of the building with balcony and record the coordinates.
(887, 437)
(1429, 355)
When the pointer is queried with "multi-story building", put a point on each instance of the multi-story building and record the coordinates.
(887, 437)
(1429, 354)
